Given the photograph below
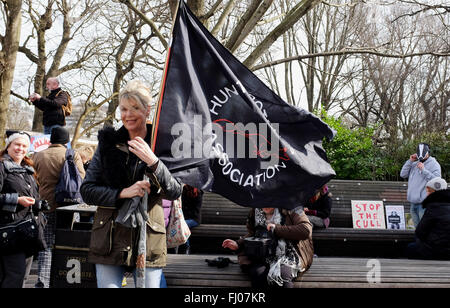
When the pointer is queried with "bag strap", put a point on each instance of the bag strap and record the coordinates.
(60, 91)
(70, 154)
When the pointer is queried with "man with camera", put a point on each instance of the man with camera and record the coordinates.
(48, 164)
(277, 249)
(53, 114)
(419, 169)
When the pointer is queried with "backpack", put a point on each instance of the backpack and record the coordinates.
(67, 190)
(67, 109)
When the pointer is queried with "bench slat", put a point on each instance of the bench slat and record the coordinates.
(192, 271)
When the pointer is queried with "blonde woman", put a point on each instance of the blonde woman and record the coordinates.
(115, 175)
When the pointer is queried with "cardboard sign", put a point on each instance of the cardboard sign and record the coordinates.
(39, 143)
(368, 214)
(409, 222)
(395, 217)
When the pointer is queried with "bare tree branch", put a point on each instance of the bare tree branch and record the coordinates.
(352, 51)
(147, 21)
(25, 99)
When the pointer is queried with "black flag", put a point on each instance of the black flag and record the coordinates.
(220, 129)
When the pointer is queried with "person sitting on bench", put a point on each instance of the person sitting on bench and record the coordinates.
(433, 231)
(277, 249)
(318, 208)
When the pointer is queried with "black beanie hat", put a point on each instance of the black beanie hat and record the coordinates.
(60, 135)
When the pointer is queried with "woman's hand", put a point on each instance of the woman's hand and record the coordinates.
(25, 201)
(230, 244)
(141, 149)
(137, 189)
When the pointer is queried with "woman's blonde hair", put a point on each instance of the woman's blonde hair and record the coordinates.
(137, 91)
(86, 151)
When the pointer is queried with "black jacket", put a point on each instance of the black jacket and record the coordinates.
(52, 107)
(434, 228)
(321, 207)
(15, 181)
(112, 169)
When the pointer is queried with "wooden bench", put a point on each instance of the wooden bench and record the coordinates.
(191, 271)
(222, 219)
(327, 242)
(219, 210)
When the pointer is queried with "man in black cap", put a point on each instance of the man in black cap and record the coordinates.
(48, 164)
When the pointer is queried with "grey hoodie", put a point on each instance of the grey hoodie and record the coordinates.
(417, 179)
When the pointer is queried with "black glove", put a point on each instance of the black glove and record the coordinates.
(219, 262)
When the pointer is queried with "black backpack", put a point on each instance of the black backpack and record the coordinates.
(67, 190)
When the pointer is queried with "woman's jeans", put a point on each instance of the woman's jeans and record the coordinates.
(111, 276)
(191, 224)
(417, 212)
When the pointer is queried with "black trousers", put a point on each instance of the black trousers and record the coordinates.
(258, 275)
(13, 269)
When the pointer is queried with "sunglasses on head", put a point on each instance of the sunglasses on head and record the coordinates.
(12, 132)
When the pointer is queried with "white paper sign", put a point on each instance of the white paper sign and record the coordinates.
(395, 217)
(368, 214)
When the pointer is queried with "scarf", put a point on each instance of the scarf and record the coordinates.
(133, 214)
(12, 167)
(285, 254)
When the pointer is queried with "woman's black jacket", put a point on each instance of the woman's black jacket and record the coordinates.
(15, 181)
(434, 227)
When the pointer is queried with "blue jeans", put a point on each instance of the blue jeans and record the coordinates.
(418, 250)
(48, 129)
(163, 283)
(417, 212)
(111, 276)
(191, 224)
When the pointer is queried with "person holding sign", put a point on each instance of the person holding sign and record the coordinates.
(419, 169)
(433, 231)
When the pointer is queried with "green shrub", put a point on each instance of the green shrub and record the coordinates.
(354, 155)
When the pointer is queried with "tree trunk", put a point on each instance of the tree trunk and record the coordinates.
(10, 46)
(251, 17)
(41, 25)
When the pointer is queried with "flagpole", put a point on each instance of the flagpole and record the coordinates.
(155, 122)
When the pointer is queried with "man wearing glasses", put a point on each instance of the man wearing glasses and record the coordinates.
(52, 105)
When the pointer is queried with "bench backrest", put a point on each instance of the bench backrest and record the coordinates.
(219, 210)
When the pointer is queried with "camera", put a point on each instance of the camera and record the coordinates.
(262, 245)
(41, 205)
